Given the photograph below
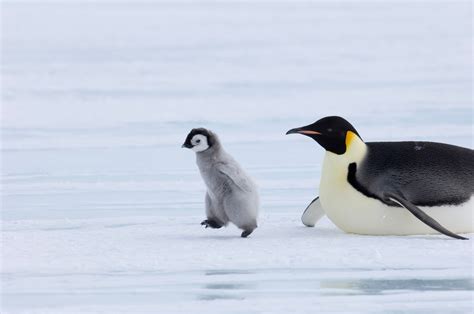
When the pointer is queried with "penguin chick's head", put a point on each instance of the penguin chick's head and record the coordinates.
(333, 133)
(199, 140)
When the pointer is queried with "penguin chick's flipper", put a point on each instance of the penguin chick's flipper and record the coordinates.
(313, 213)
(234, 175)
(421, 215)
(211, 223)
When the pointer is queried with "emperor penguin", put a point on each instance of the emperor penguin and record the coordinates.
(391, 188)
(231, 195)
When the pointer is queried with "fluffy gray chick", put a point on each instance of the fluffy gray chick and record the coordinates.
(231, 194)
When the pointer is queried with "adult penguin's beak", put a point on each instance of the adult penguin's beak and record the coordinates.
(303, 131)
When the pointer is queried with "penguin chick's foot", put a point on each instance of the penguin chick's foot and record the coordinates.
(208, 223)
(246, 233)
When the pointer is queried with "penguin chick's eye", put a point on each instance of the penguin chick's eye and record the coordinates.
(200, 143)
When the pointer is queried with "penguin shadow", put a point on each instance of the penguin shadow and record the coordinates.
(432, 237)
(320, 232)
(214, 237)
(220, 237)
(334, 233)
(266, 232)
(426, 237)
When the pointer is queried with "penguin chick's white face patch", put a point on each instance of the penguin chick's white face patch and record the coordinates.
(199, 143)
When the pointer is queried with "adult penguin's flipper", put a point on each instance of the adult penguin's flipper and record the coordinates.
(313, 213)
(421, 215)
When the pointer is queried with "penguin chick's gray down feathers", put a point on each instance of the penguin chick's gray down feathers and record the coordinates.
(231, 194)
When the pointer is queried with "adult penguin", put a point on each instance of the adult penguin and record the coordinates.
(391, 188)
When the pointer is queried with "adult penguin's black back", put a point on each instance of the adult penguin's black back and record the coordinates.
(426, 173)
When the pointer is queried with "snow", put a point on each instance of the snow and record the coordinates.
(170, 264)
(101, 207)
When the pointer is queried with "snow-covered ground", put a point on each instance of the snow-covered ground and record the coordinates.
(101, 207)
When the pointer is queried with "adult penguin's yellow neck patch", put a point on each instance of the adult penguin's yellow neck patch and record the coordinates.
(350, 136)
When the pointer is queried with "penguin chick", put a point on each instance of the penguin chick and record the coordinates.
(231, 195)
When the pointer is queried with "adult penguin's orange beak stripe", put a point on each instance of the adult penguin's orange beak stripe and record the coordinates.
(301, 131)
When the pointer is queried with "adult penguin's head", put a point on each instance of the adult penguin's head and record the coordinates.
(334, 134)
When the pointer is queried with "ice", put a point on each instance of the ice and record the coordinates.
(101, 206)
(170, 264)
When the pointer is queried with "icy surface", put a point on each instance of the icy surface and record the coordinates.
(101, 207)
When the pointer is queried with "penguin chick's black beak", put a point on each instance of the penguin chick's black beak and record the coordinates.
(302, 131)
(185, 145)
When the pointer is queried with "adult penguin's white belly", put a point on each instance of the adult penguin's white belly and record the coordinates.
(353, 212)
